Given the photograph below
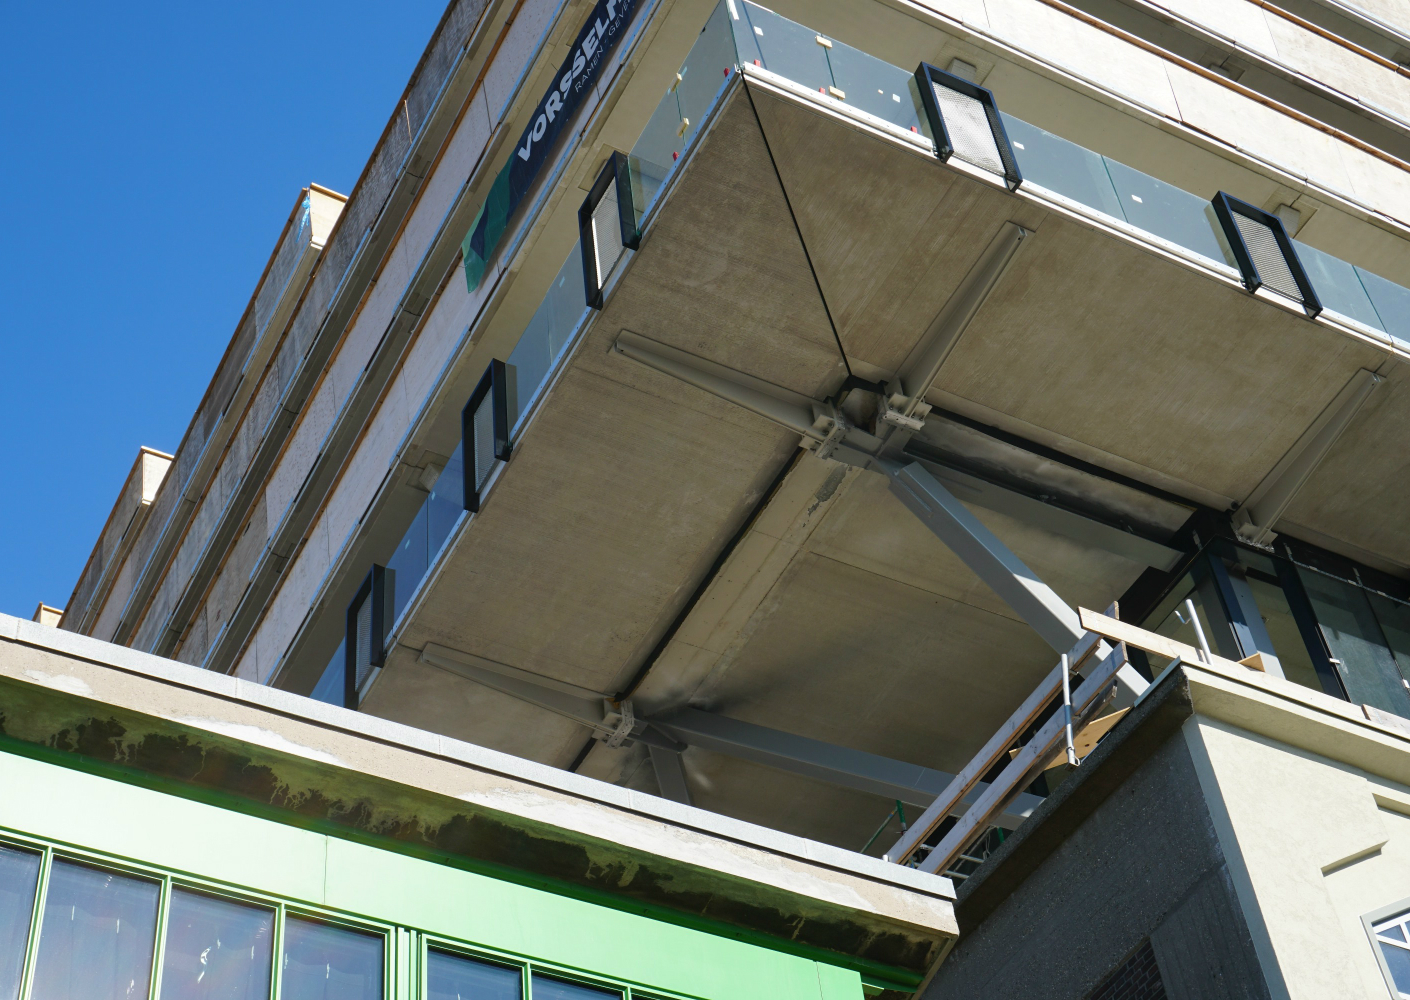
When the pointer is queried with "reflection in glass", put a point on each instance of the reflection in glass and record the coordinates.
(97, 938)
(409, 562)
(543, 340)
(446, 502)
(545, 988)
(19, 875)
(1169, 212)
(1354, 637)
(1394, 619)
(1392, 303)
(1172, 615)
(1391, 937)
(876, 87)
(704, 72)
(330, 963)
(455, 977)
(216, 949)
(782, 46)
(1282, 628)
(1062, 167)
(331, 684)
(1337, 285)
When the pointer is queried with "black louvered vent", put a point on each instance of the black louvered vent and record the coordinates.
(607, 224)
(1264, 253)
(966, 123)
(369, 617)
(484, 430)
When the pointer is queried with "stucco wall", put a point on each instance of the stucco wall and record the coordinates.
(1319, 843)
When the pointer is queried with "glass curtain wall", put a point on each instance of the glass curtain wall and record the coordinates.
(1321, 631)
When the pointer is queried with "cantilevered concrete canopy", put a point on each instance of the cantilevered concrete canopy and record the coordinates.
(652, 540)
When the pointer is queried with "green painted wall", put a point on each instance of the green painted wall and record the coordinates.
(143, 827)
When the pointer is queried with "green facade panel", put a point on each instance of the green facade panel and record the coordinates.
(418, 902)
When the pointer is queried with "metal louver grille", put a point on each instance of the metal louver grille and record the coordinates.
(607, 226)
(1267, 256)
(967, 122)
(484, 432)
(483, 444)
(362, 655)
(606, 234)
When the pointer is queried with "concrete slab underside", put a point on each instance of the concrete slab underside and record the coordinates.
(838, 616)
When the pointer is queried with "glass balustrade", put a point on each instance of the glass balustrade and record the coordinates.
(742, 33)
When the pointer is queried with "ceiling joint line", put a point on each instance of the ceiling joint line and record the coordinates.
(797, 229)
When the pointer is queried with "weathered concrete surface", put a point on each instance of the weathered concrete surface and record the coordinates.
(836, 615)
(199, 733)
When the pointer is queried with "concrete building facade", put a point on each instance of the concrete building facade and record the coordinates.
(792, 418)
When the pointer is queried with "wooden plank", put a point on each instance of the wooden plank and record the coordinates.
(992, 751)
(1029, 761)
(1087, 738)
(1151, 642)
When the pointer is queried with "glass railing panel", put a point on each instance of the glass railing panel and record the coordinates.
(1062, 167)
(1392, 303)
(781, 46)
(1171, 213)
(706, 70)
(446, 503)
(1337, 285)
(876, 87)
(548, 332)
(656, 151)
(329, 688)
(409, 562)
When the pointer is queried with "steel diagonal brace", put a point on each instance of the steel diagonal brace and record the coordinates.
(667, 736)
(938, 509)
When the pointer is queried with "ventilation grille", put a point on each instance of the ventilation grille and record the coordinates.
(483, 442)
(971, 134)
(607, 243)
(362, 646)
(1267, 256)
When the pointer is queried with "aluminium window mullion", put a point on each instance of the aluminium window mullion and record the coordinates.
(276, 977)
(1300, 605)
(399, 975)
(36, 920)
(159, 949)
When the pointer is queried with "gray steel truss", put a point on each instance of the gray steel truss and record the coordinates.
(666, 736)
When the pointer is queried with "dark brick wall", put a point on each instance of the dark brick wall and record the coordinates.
(1140, 869)
(1137, 978)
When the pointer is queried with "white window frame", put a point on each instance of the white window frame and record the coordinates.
(1395, 913)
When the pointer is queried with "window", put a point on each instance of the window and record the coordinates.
(19, 878)
(1393, 940)
(1326, 628)
(102, 934)
(98, 935)
(217, 949)
(322, 962)
(456, 977)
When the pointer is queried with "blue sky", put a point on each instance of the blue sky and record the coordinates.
(149, 154)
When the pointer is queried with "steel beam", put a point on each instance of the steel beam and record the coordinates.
(670, 775)
(1255, 519)
(1059, 521)
(865, 772)
(921, 368)
(890, 779)
(990, 559)
(993, 562)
